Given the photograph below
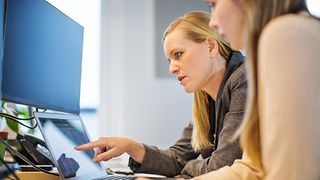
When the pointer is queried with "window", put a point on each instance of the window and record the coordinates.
(87, 13)
(314, 7)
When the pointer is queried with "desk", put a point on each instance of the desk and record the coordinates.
(119, 164)
(35, 175)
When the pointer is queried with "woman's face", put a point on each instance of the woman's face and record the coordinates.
(190, 62)
(228, 17)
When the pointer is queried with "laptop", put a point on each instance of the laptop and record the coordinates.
(62, 132)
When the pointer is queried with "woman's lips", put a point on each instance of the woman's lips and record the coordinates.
(180, 79)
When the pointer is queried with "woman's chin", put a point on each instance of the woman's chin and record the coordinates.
(236, 46)
(188, 90)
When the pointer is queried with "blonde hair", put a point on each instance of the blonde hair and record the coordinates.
(258, 14)
(196, 27)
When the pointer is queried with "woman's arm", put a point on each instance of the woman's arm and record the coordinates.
(241, 169)
(167, 162)
(143, 158)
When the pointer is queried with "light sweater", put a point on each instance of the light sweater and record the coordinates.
(289, 103)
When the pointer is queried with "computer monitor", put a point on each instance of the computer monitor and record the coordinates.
(42, 56)
(2, 4)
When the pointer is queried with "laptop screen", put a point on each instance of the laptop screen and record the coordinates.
(62, 133)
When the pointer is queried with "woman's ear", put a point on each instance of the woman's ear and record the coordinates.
(212, 44)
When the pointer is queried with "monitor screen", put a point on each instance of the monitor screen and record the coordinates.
(70, 162)
(42, 56)
(2, 4)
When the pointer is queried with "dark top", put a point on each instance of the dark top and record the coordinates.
(226, 115)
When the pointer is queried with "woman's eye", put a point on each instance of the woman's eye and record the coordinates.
(211, 4)
(177, 55)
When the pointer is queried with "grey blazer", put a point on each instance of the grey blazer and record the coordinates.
(226, 117)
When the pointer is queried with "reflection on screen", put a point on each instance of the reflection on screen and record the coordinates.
(62, 136)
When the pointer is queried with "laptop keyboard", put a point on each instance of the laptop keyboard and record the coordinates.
(117, 177)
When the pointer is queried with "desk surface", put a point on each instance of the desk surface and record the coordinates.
(117, 164)
(35, 175)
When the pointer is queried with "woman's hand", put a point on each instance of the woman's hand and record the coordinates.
(107, 148)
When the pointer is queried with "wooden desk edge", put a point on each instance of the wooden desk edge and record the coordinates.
(35, 175)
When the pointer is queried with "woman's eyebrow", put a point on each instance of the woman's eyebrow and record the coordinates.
(172, 51)
(210, 2)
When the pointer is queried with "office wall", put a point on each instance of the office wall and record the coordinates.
(134, 102)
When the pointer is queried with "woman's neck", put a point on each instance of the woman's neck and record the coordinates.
(213, 85)
(213, 89)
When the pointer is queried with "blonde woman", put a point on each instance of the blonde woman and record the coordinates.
(281, 129)
(206, 66)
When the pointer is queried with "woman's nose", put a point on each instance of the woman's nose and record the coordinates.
(212, 23)
(173, 68)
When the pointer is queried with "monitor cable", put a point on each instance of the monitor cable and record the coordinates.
(16, 119)
(12, 151)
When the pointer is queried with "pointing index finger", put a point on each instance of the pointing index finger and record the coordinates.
(91, 145)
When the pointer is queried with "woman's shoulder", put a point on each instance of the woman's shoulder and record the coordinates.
(289, 20)
(238, 77)
(286, 35)
(300, 24)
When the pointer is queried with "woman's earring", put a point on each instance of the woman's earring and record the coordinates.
(211, 55)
